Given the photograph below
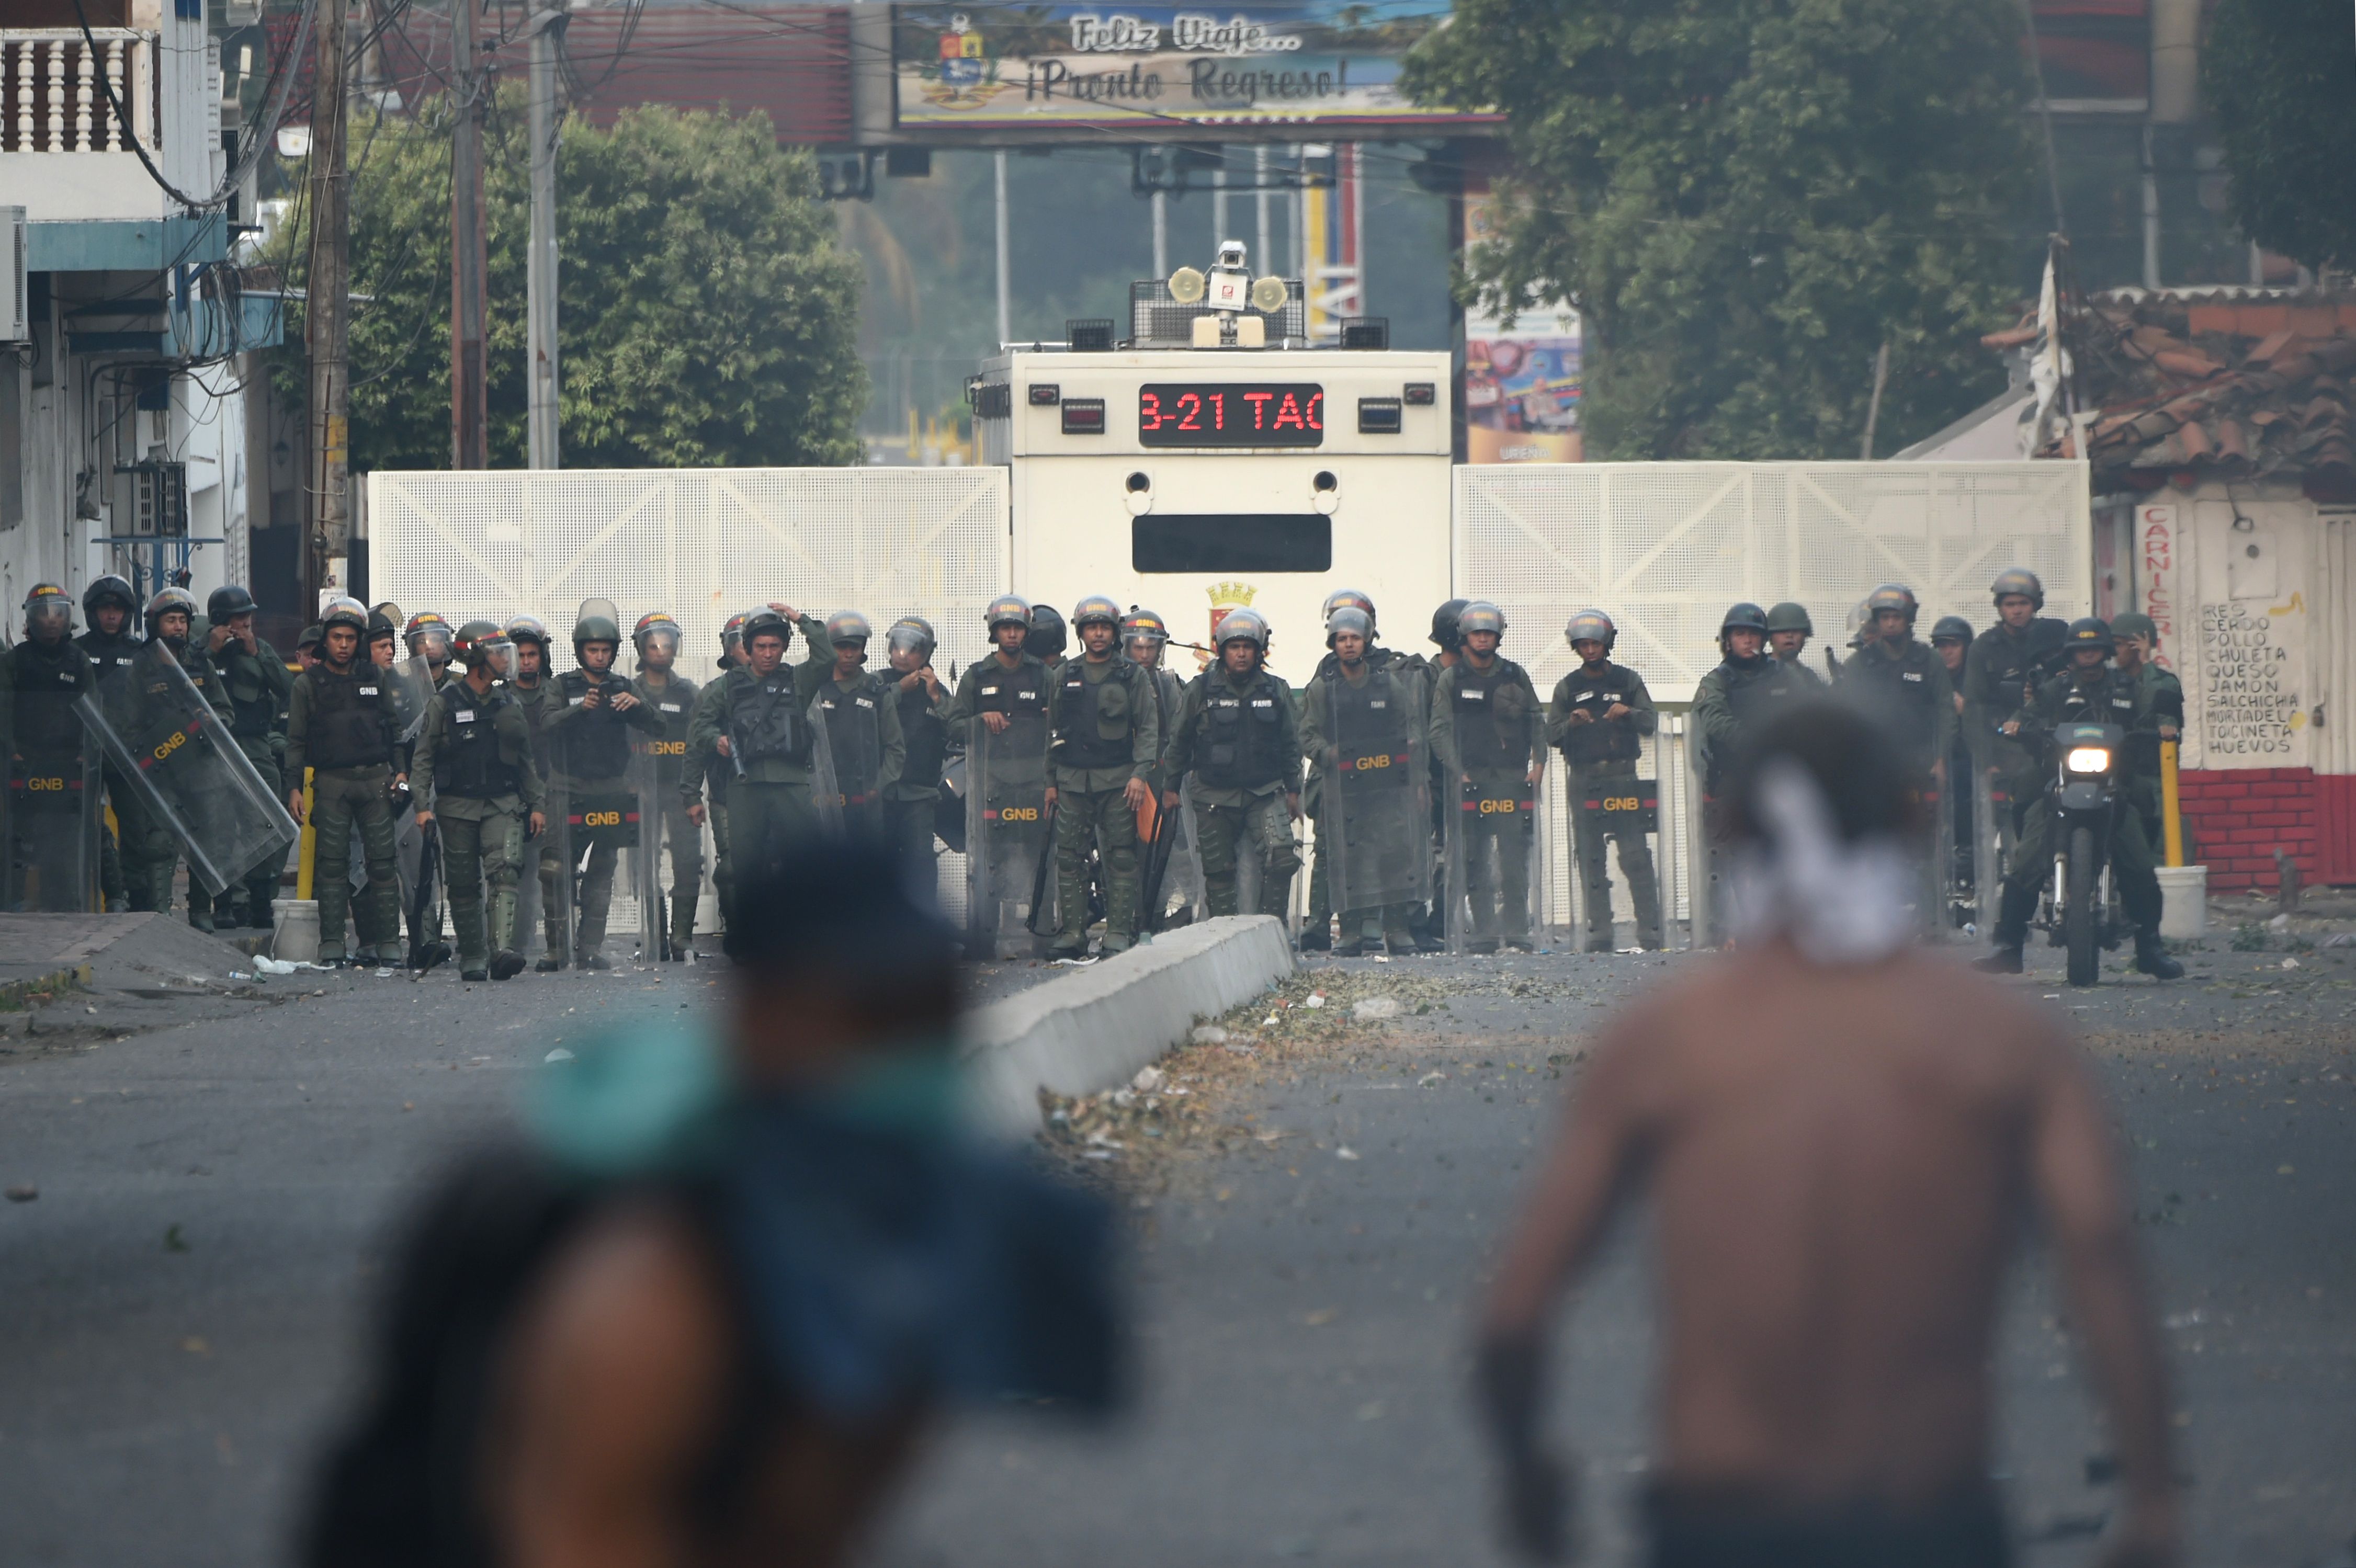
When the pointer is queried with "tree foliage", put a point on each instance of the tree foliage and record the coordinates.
(1745, 199)
(2280, 76)
(706, 315)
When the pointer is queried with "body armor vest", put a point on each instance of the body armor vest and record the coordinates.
(1588, 744)
(1090, 708)
(924, 734)
(252, 713)
(674, 704)
(475, 770)
(1245, 745)
(349, 726)
(1903, 684)
(766, 721)
(48, 681)
(1493, 718)
(597, 745)
(1014, 692)
(1372, 730)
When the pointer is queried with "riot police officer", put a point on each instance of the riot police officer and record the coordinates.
(2135, 638)
(430, 638)
(1047, 639)
(259, 688)
(1238, 734)
(170, 619)
(1951, 639)
(671, 696)
(2090, 691)
(1001, 710)
(981, 693)
(1749, 686)
(1488, 732)
(588, 717)
(306, 652)
(1315, 934)
(862, 727)
(1144, 640)
(913, 799)
(754, 722)
(47, 755)
(2007, 664)
(1904, 681)
(1366, 723)
(108, 609)
(1788, 631)
(1106, 742)
(1598, 717)
(474, 776)
(340, 728)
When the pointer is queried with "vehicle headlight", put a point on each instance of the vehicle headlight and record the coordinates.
(2087, 760)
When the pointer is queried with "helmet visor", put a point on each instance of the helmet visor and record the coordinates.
(47, 615)
(659, 640)
(430, 643)
(907, 640)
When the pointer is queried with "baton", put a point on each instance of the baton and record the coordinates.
(1039, 877)
(428, 848)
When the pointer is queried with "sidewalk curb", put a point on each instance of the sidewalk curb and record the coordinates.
(1093, 1029)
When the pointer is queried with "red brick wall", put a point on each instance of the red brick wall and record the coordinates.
(2239, 816)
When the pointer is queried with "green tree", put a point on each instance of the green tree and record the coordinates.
(1745, 199)
(706, 313)
(2279, 75)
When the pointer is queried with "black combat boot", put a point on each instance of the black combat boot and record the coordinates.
(2154, 959)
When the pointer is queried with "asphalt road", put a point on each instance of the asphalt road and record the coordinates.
(1312, 1220)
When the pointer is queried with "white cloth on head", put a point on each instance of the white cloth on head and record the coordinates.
(1839, 902)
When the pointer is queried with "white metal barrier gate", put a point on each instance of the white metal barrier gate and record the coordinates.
(700, 544)
(1664, 548)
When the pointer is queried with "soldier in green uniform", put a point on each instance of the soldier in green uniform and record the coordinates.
(44, 855)
(1788, 631)
(1488, 732)
(671, 696)
(170, 619)
(862, 727)
(1366, 717)
(1905, 685)
(1316, 933)
(1106, 742)
(2135, 639)
(585, 723)
(2007, 664)
(107, 609)
(2088, 691)
(1144, 640)
(755, 723)
(1748, 688)
(474, 775)
(1598, 717)
(914, 797)
(716, 770)
(259, 690)
(339, 726)
(1238, 733)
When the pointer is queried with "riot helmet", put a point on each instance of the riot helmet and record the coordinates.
(1591, 626)
(1952, 629)
(1144, 625)
(1480, 615)
(48, 613)
(591, 629)
(428, 636)
(762, 621)
(1790, 616)
(527, 629)
(345, 612)
(169, 602)
(381, 629)
(2134, 623)
(472, 632)
(848, 626)
(910, 635)
(1047, 638)
(1247, 626)
(1007, 609)
(1096, 607)
(655, 628)
(732, 633)
(2015, 580)
(1890, 596)
(1348, 618)
(105, 591)
(1340, 596)
(1744, 617)
(1443, 625)
(2087, 632)
(310, 637)
(228, 602)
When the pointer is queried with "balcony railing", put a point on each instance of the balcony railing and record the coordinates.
(53, 90)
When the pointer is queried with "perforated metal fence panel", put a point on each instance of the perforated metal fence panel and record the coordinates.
(1664, 548)
(700, 544)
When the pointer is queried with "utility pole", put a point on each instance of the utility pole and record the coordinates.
(1005, 314)
(1263, 257)
(326, 318)
(1161, 233)
(540, 264)
(470, 370)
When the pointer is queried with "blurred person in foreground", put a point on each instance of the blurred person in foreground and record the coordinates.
(1836, 1208)
(708, 1314)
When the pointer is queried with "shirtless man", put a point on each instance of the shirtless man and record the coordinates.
(1835, 1207)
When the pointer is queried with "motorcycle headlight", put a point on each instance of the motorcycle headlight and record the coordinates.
(2087, 760)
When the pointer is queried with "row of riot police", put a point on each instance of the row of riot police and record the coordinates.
(153, 738)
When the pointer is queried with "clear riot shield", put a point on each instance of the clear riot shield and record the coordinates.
(1186, 875)
(406, 687)
(852, 724)
(174, 751)
(648, 858)
(1007, 836)
(51, 808)
(1495, 876)
(826, 784)
(1377, 829)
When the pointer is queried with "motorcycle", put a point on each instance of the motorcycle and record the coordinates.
(2084, 796)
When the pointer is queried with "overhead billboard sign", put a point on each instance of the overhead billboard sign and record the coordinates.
(1168, 72)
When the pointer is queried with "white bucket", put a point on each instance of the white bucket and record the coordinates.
(2183, 903)
(295, 930)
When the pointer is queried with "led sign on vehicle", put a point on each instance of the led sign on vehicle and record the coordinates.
(1231, 414)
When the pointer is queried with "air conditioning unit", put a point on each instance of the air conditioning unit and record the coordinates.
(159, 499)
(16, 304)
